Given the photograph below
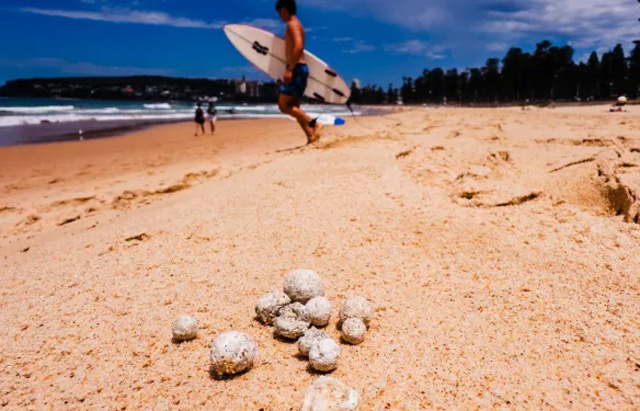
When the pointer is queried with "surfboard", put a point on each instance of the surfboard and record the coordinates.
(329, 120)
(267, 52)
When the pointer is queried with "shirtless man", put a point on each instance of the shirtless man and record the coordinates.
(297, 72)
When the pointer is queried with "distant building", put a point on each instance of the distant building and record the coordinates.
(249, 88)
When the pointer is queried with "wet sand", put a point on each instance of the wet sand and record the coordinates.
(500, 246)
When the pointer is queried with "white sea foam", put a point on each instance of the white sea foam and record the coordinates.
(36, 110)
(108, 110)
(16, 116)
(9, 121)
(247, 108)
(160, 106)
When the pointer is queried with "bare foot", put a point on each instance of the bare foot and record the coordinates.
(317, 133)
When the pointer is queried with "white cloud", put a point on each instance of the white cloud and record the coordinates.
(418, 48)
(359, 47)
(82, 68)
(268, 24)
(497, 46)
(111, 15)
(415, 14)
(588, 23)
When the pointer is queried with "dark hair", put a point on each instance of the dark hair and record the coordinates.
(290, 5)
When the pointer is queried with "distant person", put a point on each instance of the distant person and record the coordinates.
(297, 71)
(618, 107)
(212, 115)
(199, 119)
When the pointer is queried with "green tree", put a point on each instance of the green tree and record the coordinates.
(619, 71)
(451, 86)
(633, 87)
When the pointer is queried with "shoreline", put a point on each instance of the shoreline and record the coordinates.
(91, 130)
(44, 133)
(25, 121)
(34, 134)
(60, 132)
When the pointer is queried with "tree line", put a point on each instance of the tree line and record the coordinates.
(545, 74)
(142, 88)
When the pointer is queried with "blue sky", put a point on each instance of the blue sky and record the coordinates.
(377, 41)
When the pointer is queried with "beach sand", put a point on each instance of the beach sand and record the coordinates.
(493, 243)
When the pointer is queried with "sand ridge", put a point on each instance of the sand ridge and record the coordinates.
(504, 275)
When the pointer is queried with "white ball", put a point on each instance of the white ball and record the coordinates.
(269, 305)
(324, 355)
(330, 394)
(622, 100)
(303, 285)
(356, 307)
(318, 311)
(293, 310)
(309, 339)
(292, 322)
(184, 328)
(353, 331)
(232, 352)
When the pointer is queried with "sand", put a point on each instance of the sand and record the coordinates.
(492, 241)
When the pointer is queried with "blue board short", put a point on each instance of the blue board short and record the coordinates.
(298, 83)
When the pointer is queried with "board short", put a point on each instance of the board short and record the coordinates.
(298, 83)
(213, 118)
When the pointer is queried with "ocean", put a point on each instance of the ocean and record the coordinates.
(31, 121)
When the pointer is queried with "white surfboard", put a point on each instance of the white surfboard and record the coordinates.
(267, 52)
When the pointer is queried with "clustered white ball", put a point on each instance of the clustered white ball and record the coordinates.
(185, 328)
(324, 355)
(292, 322)
(296, 312)
(319, 311)
(303, 285)
(270, 304)
(353, 331)
(309, 339)
(232, 352)
(356, 307)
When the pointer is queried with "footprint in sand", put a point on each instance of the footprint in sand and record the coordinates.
(30, 220)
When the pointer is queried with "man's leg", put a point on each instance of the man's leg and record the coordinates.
(304, 120)
(291, 106)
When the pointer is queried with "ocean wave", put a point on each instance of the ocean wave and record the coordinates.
(250, 108)
(247, 108)
(36, 110)
(159, 112)
(108, 110)
(10, 121)
(160, 106)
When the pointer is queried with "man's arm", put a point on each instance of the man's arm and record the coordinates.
(297, 48)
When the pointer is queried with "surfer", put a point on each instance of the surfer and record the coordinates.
(297, 72)
(199, 119)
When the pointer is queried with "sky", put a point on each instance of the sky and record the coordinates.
(375, 41)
